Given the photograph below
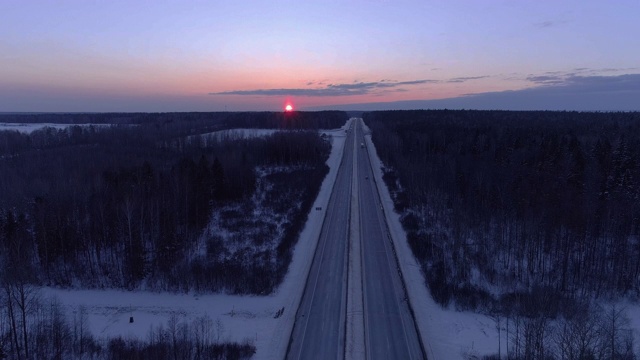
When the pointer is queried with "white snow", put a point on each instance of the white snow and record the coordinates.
(446, 334)
(242, 317)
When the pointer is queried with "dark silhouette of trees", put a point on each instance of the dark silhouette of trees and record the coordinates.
(126, 204)
(123, 205)
(494, 199)
(529, 216)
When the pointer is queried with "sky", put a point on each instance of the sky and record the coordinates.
(216, 55)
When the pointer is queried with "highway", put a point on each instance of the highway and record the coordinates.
(319, 330)
(390, 330)
(320, 327)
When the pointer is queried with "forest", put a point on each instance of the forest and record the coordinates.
(135, 205)
(194, 122)
(525, 215)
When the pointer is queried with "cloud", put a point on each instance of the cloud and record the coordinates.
(567, 92)
(547, 79)
(345, 89)
(585, 83)
(578, 75)
(544, 24)
(463, 79)
(599, 84)
(549, 23)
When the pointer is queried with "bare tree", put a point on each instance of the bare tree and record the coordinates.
(172, 328)
(202, 332)
(59, 330)
(81, 333)
(578, 335)
(616, 337)
(20, 298)
(219, 329)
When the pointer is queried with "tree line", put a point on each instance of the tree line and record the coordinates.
(168, 127)
(191, 121)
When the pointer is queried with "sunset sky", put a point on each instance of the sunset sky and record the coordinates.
(83, 55)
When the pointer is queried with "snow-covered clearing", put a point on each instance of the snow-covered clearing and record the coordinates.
(241, 317)
(28, 128)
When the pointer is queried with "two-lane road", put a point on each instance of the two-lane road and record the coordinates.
(390, 330)
(319, 330)
(320, 327)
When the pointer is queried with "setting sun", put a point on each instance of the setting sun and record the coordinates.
(288, 107)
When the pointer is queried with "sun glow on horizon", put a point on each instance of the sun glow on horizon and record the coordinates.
(288, 108)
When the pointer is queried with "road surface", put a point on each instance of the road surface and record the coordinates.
(390, 330)
(319, 330)
(320, 327)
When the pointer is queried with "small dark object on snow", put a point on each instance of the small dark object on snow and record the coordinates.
(279, 313)
(130, 319)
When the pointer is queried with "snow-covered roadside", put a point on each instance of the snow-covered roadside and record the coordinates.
(240, 317)
(446, 334)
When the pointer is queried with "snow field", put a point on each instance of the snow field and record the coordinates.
(242, 318)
